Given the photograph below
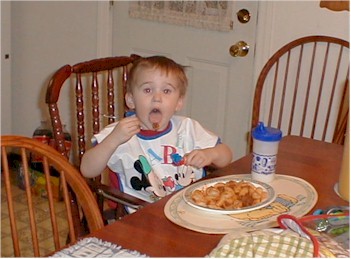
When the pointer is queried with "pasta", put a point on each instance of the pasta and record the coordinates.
(229, 195)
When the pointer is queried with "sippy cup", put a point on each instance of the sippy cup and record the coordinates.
(265, 148)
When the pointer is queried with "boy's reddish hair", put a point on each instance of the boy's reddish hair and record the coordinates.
(162, 63)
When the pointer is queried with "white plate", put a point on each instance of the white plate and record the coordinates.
(295, 196)
(207, 183)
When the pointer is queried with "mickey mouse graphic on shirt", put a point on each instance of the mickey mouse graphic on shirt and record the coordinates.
(150, 182)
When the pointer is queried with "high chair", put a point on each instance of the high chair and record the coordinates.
(99, 86)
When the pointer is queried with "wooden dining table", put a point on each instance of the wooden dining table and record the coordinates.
(150, 232)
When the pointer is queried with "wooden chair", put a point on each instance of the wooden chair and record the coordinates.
(303, 89)
(69, 177)
(100, 87)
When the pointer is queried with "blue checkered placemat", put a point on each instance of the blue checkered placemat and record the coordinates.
(94, 247)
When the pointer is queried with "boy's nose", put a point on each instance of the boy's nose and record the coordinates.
(157, 97)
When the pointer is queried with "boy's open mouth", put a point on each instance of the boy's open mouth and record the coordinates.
(155, 118)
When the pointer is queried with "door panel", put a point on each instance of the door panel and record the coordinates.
(207, 105)
(220, 86)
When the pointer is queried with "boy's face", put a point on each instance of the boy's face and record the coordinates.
(155, 98)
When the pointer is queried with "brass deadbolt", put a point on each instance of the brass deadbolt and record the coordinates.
(243, 16)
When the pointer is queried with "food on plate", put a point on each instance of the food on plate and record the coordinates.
(229, 195)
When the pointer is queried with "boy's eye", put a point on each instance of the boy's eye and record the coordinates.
(147, 90)
(167, 91)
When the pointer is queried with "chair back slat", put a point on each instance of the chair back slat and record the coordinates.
(308, 90)
(284, 90)
(80, 115)
(300, 88)
(95, 103)
(51, 203)
(316, 109)
(31, 210)
(124, 88)
(67, 200)
(10, 203)
(110, 97)
(273, 92)
(296, 87)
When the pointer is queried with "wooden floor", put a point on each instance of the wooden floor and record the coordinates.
(43, 221)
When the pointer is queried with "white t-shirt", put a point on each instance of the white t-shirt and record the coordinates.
(144, 164)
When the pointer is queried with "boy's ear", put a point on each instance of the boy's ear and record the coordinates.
(129, 100)
(180, 103)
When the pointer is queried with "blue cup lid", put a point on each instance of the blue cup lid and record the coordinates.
(266, 133)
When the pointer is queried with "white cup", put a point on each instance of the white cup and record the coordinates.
(265, 149)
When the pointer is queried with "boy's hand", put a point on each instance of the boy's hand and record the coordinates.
(219, 156)
(125, 129)
(198, 158)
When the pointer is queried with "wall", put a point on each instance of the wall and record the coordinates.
(45, 36)
(6, 111)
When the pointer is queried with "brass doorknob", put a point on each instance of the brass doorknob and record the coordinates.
(239, 49)
(243, 16)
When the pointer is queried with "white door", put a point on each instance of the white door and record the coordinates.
(220, 86)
